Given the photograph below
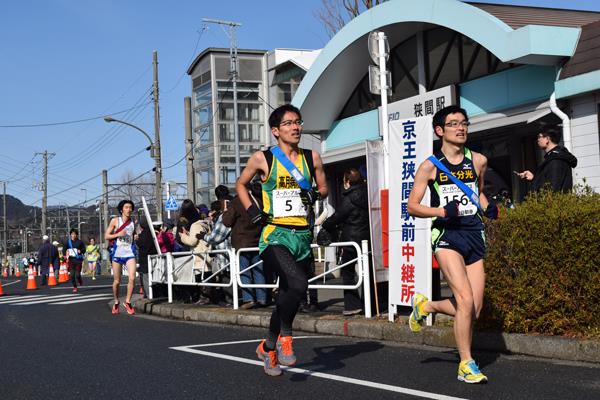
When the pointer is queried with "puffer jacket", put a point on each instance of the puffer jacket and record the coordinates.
(352, 215)
(194, 240)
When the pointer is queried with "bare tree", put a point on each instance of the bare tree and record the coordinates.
(128, 188)
(334, 14)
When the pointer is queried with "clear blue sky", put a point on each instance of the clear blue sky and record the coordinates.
(65, 60)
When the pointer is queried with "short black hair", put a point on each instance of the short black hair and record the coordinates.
(551, 132)
(122, 204)
(75, 231)
(278, 113)
(439, 118)
(221, 192)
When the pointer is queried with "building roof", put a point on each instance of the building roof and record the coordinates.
(221, 50)
(344, 60)
(587, 55)
(519, 16)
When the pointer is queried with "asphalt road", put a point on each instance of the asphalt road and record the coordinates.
(63, 346)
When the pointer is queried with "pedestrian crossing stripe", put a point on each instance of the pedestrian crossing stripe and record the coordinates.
(54, 299)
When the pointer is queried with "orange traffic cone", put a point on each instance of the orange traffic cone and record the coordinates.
(1, 290)
(17, 272)
(62, 275)
(5, 273)
(52, 278)
(31, 284)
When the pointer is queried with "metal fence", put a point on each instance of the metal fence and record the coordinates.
(180, 269)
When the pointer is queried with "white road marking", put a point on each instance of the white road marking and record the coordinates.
(360, 382)
(51, 299)
(84, 300)
(19, 298)
(10, 283)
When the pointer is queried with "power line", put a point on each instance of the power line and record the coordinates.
(77, 121)
(95, 176)
(103, 140)
(203, 29)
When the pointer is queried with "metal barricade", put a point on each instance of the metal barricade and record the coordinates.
(362, 262)
(157, 271)
(178, 269)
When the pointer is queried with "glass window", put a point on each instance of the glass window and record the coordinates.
(202, 94)
(226, 112)
(206, 178)
(203, 115)
(204, 135)
(249, 112)
(226, 133)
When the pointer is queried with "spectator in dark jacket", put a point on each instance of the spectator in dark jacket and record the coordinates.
(557, 168)
(75, 249)
(353, 217)
(47, 256)
(246, 234)
(146, 247)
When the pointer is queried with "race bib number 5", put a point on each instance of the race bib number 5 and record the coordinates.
(287, 203)
(452, 192)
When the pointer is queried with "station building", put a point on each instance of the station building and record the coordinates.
(510, 67)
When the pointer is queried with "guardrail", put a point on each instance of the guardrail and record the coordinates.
(178, 269)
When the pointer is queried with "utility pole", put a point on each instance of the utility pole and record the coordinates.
(5, 225)
(158, 167)
(44, 189)
(103, 216)
(189, 149)
(233, 62)
(68, 221)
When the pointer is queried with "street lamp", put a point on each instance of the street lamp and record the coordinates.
(156, 156)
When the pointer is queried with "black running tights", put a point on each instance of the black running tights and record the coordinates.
(293, 283)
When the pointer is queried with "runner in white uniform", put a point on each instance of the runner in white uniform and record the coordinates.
(121, 230)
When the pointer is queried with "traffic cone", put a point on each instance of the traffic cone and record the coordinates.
(17, 272)
(62, 275)
(31, 284)
(51, 277)
(1, 290)
(5, 273)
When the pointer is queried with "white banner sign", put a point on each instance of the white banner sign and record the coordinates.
(422, 105)
(374, 151)
(411, 142)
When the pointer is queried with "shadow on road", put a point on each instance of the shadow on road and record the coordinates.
(329, 358)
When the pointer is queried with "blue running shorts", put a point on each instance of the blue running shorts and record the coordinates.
(469, 244)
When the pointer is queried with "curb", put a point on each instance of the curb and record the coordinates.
(553, 347)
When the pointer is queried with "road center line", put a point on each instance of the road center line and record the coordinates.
(360, 382)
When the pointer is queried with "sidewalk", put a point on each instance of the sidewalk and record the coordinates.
(332, 322)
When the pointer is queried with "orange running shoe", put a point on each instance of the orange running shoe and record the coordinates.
(269, 358)
(285, 353)
(115, 308)
(129, 308)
